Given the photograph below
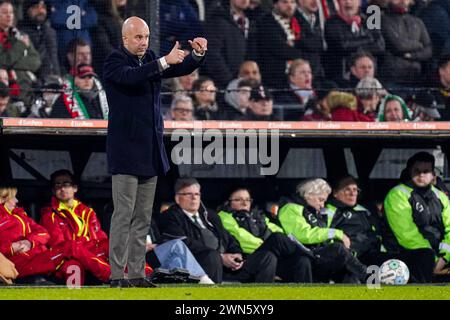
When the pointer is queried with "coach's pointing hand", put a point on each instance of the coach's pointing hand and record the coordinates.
(175, 56)
(200, 45)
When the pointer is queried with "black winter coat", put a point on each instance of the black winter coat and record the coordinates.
(404, 33)
(359, 225)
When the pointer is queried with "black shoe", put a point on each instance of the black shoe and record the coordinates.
(43, 281)
(120, 283)
(141, 283)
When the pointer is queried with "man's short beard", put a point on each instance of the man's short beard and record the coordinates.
(40, 18)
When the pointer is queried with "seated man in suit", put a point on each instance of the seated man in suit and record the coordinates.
(214, 248)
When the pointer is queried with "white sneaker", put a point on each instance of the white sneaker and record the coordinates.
(205, 280)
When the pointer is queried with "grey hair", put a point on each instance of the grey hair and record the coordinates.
(186, 182)
(181, 98)
(313, 186)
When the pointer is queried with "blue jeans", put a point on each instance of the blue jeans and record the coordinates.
(175, 254)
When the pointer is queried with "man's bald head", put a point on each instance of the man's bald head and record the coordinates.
(135, 35)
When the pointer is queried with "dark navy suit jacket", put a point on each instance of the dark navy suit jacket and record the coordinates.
(135, 127)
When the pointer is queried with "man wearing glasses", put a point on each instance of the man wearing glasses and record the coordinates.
(68, 220)
(254, 232)
(182, 109)
(214, 248)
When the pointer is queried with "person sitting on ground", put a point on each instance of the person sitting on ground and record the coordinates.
(301, 217)
(253, 230)
(214, 248)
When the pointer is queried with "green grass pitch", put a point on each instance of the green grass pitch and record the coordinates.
(231, 292)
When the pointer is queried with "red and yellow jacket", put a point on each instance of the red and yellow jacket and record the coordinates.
(15, 225)
(64, 224)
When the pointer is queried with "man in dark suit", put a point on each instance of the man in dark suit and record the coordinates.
(214, 248)
(135, 149)
(311, 35)
(277, 42)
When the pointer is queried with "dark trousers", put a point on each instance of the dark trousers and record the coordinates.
(258, 267)
(292, 264)
(335, 262)
(420, 262)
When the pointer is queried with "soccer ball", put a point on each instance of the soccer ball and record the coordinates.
(394, 272)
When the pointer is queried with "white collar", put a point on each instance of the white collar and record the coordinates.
(191, 215)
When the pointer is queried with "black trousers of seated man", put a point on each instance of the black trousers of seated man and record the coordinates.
(335, 262)
(259, 267)
(292, 264)
(420, 262)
